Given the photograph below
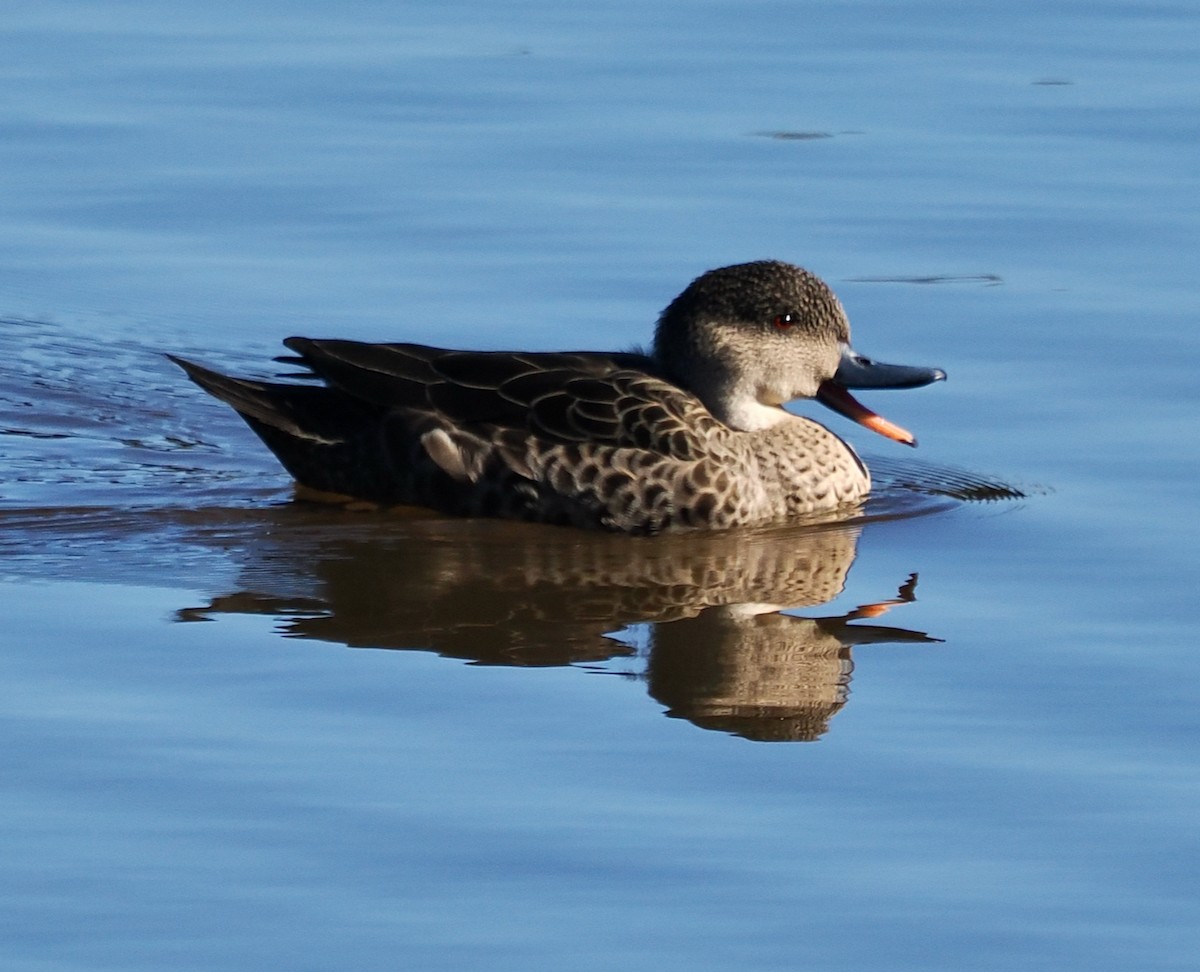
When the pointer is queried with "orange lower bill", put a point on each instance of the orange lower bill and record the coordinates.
(834, 396)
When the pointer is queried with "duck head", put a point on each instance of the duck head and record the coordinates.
(748, 338)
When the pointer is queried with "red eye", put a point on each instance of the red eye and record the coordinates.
(783, 322)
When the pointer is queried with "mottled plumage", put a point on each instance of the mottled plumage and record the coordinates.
(692, 435)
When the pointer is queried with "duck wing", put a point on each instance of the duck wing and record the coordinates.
(592, 398)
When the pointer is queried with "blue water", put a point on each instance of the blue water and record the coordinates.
(208, 764)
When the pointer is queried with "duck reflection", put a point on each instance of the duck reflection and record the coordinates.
(761, 674)
(718, 649)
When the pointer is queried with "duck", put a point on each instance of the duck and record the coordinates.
(689, 434)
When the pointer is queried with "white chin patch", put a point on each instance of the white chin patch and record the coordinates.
(753, 416)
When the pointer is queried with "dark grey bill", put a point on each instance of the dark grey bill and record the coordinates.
(856, 371)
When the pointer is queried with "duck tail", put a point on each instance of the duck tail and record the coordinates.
(325, 438)
(286, 408)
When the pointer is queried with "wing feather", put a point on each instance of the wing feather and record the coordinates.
(575, 397)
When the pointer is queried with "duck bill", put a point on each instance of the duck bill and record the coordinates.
(857, 371)
(833, 395)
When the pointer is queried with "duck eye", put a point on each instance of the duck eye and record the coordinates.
(783, 321)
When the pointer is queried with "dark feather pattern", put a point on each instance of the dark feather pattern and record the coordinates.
(558, 397)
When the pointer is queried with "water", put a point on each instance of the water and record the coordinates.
(999, 769)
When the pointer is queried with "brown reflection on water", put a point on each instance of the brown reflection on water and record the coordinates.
(719, 652)
(765, 676)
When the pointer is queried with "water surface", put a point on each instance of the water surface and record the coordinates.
(241, 731)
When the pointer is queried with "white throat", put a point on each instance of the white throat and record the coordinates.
(751, 415)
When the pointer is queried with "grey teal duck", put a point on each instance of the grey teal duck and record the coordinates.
(692, 434)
